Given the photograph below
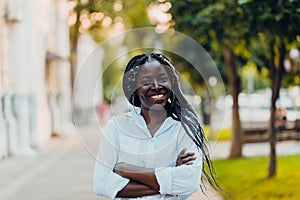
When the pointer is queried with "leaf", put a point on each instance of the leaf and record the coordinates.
(241, 2)
(278, 17)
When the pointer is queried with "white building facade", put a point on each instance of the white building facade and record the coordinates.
(35, 75)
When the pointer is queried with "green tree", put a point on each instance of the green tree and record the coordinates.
(217, 25)
(276, 24)
(99, 18)
(231, 24)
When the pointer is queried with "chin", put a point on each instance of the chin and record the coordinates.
(157, 107)
(153, 106)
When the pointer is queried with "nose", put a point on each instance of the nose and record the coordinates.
(155, 85)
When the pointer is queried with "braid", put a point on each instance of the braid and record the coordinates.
(179, 109)
(129, 79)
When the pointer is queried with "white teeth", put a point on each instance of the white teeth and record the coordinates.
(157, 96)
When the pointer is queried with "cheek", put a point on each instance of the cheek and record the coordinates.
(168, 85)
(142, 90)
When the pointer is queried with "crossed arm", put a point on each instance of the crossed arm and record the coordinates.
(143, 181)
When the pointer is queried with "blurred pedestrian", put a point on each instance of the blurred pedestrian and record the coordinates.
(280, 121)
(157, 150)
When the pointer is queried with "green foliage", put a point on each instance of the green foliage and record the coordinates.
(211, 23)
(273, 17)
(260, 77)
(132, 14)
(111, 81)
(246, 25)
(135, 13)
(277, 21)
(245, 179)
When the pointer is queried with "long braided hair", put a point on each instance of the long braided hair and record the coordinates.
(179, 108)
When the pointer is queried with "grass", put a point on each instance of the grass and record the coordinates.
(246, 178)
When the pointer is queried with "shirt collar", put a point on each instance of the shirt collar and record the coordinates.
(140, 121)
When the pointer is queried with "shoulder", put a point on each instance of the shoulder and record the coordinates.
(123, 118)
(123, 123)
(112, 128)
(118, 120)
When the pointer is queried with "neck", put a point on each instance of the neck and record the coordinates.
(154, 116)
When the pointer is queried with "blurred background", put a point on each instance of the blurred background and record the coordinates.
(61, 62)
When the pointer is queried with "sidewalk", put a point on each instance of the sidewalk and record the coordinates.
(62, 171)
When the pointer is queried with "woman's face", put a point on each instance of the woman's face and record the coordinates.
(153, 85)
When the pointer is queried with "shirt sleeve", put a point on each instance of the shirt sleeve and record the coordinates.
(106, 182)
(184, 179)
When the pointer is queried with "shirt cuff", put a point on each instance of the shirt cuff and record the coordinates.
(114, 183)
(164, 179)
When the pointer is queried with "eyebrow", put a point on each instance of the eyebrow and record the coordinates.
(146, 76)
(161, 74)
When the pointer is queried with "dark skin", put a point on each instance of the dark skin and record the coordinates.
(153, 80)
(154, 89)
(134, 189)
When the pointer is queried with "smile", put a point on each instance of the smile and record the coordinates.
(157, 97)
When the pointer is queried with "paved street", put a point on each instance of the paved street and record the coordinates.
(61, 171)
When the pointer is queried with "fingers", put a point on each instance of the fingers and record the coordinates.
(182, 152)
(185, 158)
(188, 159)
(189, 154)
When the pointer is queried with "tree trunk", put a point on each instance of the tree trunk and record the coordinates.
(276, 78)
(74, 42)
(234, 82)
(206, 107)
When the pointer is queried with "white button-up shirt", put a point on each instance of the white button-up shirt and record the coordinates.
(127, 139)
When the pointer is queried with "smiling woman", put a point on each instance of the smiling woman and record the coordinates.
(157, 150)
(153, 86)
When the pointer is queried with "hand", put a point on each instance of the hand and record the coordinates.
(185, 158)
